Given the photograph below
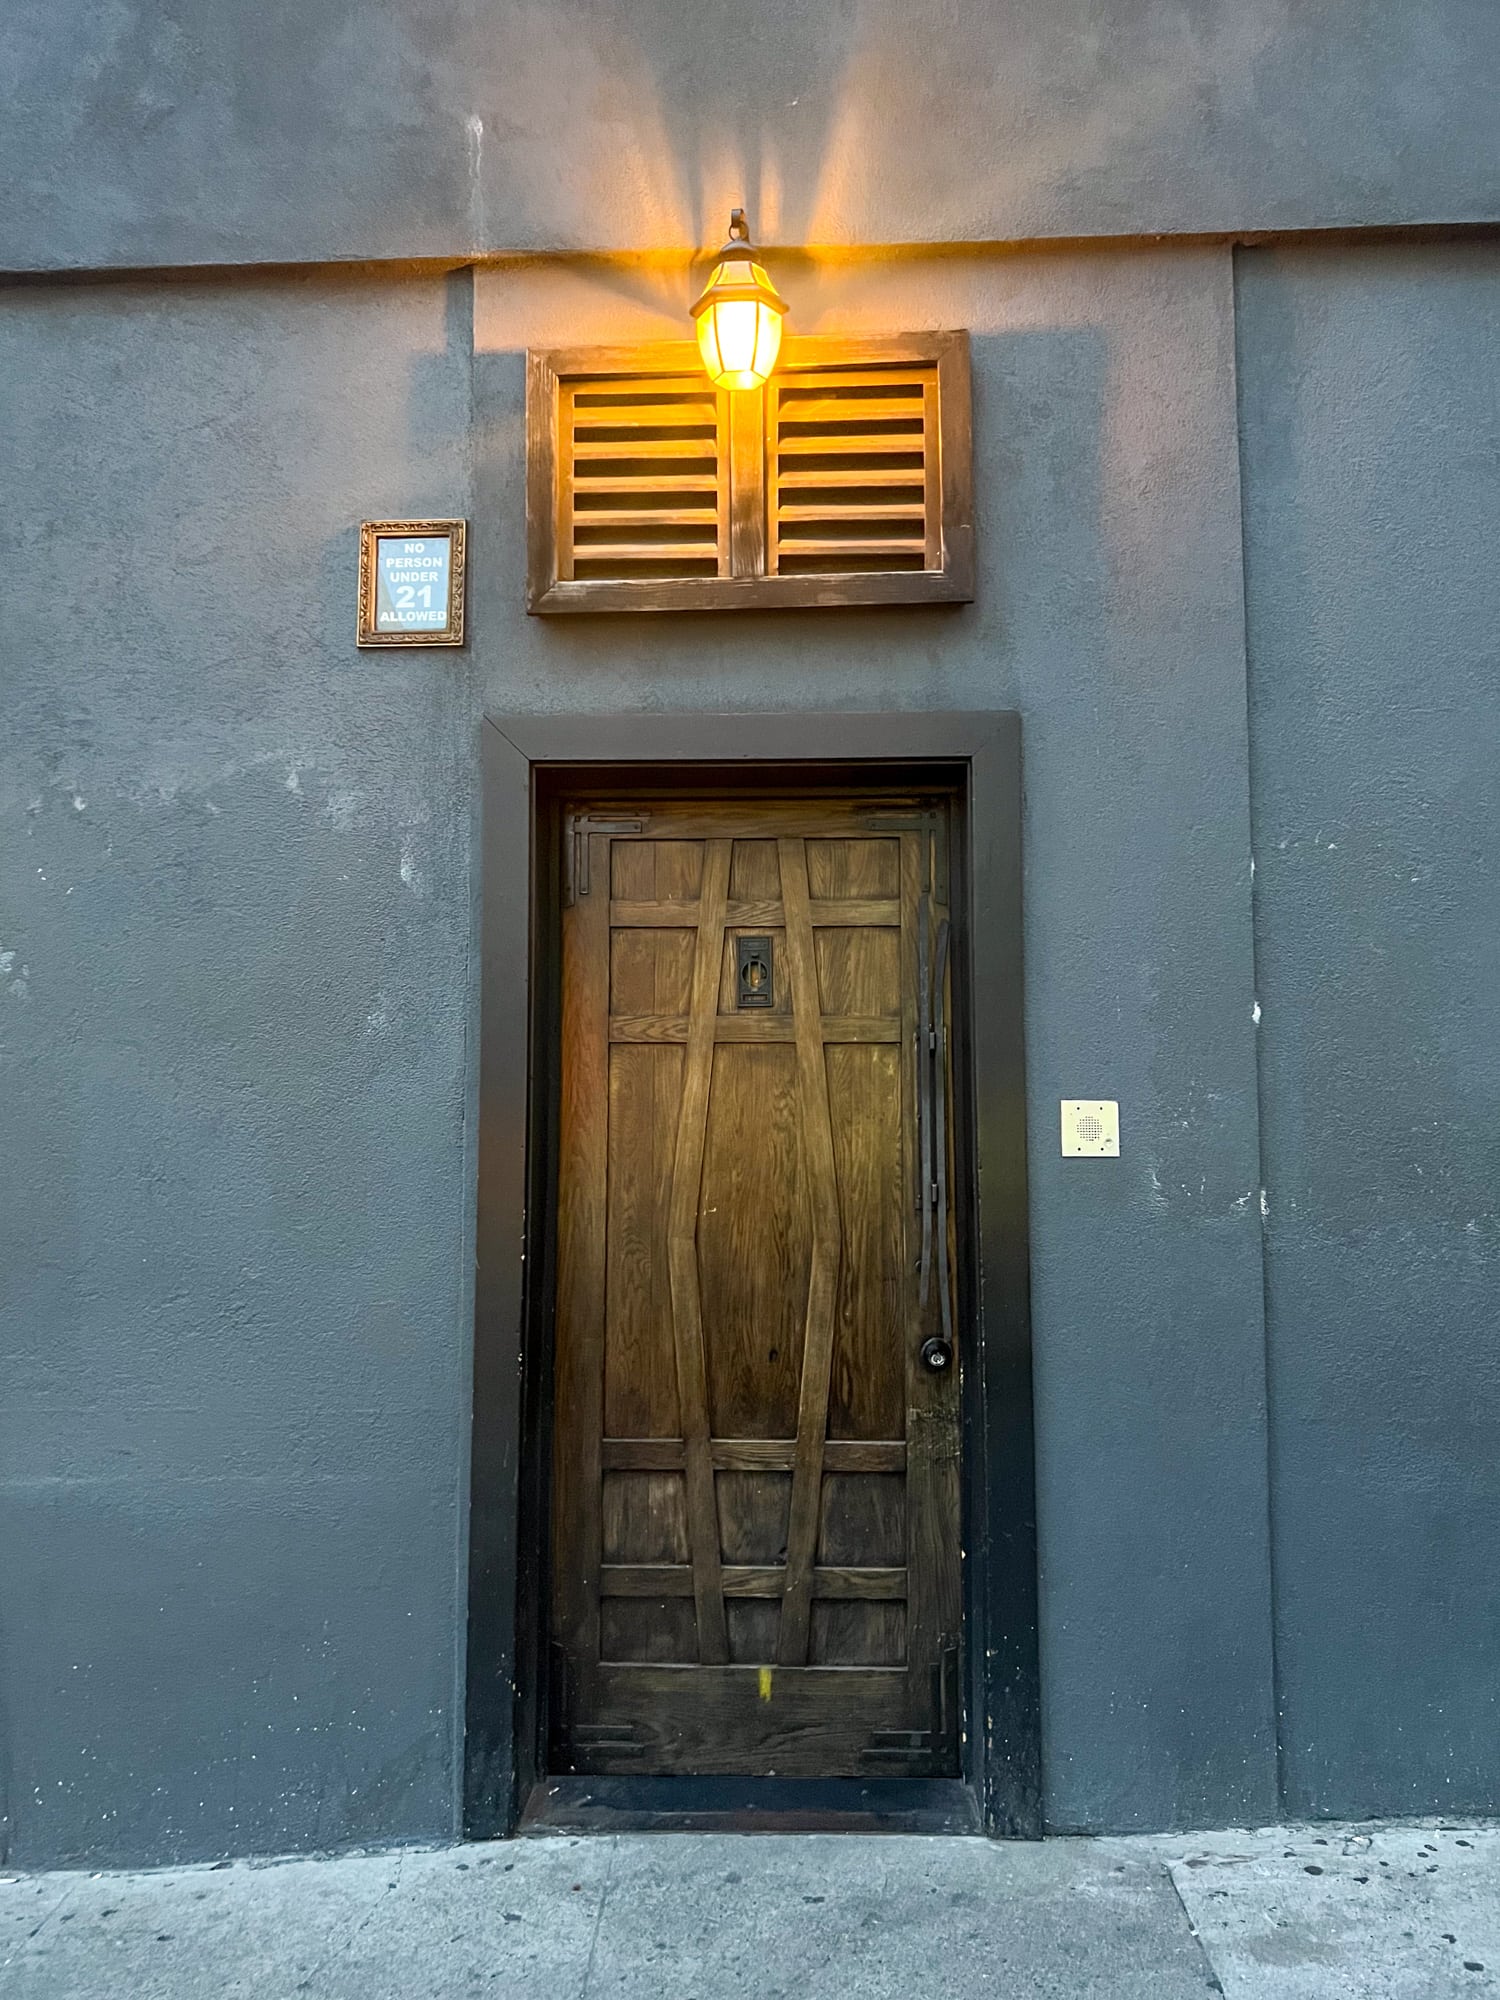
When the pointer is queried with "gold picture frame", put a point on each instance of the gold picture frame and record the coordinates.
(373, 610)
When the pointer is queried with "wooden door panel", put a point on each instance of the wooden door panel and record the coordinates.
(754, 1241)
(859, 972)
(650, 971)
(669, 871)
(867, 1391)
(753, 1510)
(722, 1719)
(840, 869)
(754, 872)
(862, 1526)
(644, 1526)
(863, 1520)
(640, 1375)
(756, 1553)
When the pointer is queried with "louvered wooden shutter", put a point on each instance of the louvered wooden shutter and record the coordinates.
(846, 481)
(649, 491)
(852, 472)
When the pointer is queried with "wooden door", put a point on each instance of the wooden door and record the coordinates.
(756, 1440)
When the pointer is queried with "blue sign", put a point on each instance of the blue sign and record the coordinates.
(413, 578)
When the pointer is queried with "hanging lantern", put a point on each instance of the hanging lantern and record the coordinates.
(739, 315)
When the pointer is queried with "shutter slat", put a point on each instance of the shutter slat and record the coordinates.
(872, 510)
(624, 429)
(834, 376)
(598, 552)
(644, 446)
(648, 482)
(636, 390)
(841, 444)
(798, 409)
(669, 410)
(665, 517)
(865, 475)
(850, 545)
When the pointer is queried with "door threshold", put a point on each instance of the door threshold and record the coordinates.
(750, 1805)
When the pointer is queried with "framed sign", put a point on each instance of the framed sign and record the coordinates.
(411, 583)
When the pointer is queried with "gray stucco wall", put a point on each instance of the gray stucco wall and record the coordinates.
(1372, 454)
(144, 133)
(235, 938)
(236, 1029)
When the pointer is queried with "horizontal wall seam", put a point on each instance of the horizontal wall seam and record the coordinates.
(1333, 236)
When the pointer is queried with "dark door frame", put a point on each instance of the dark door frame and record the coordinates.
(527, 760)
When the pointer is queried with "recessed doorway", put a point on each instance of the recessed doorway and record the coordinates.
(752, 1562)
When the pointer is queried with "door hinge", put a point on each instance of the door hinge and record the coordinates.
(576, 830)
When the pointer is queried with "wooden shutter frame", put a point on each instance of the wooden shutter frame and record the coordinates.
(749, 589)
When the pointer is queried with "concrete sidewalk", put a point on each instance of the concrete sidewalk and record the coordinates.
(1362, 1913)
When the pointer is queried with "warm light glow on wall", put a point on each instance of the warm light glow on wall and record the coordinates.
(739, 315)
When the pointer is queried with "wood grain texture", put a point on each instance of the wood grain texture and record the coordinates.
(648, 969)
(634, 596)
(682, 1260)
(725, 1719)
(753, 1504)
(753, 1508)
(867, 1379)
(581, 1238)
(747, 514)
(862, 877)
(754, 1241)
(768, 1027)
(666, 873)
(645, 1523)
(823, 1203)
(641, 1389)
(644, 1517)
(754, 1454)
(863, 1631)
(748, 1580)
(657, 1631)
(830, 815)
(764, 914)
